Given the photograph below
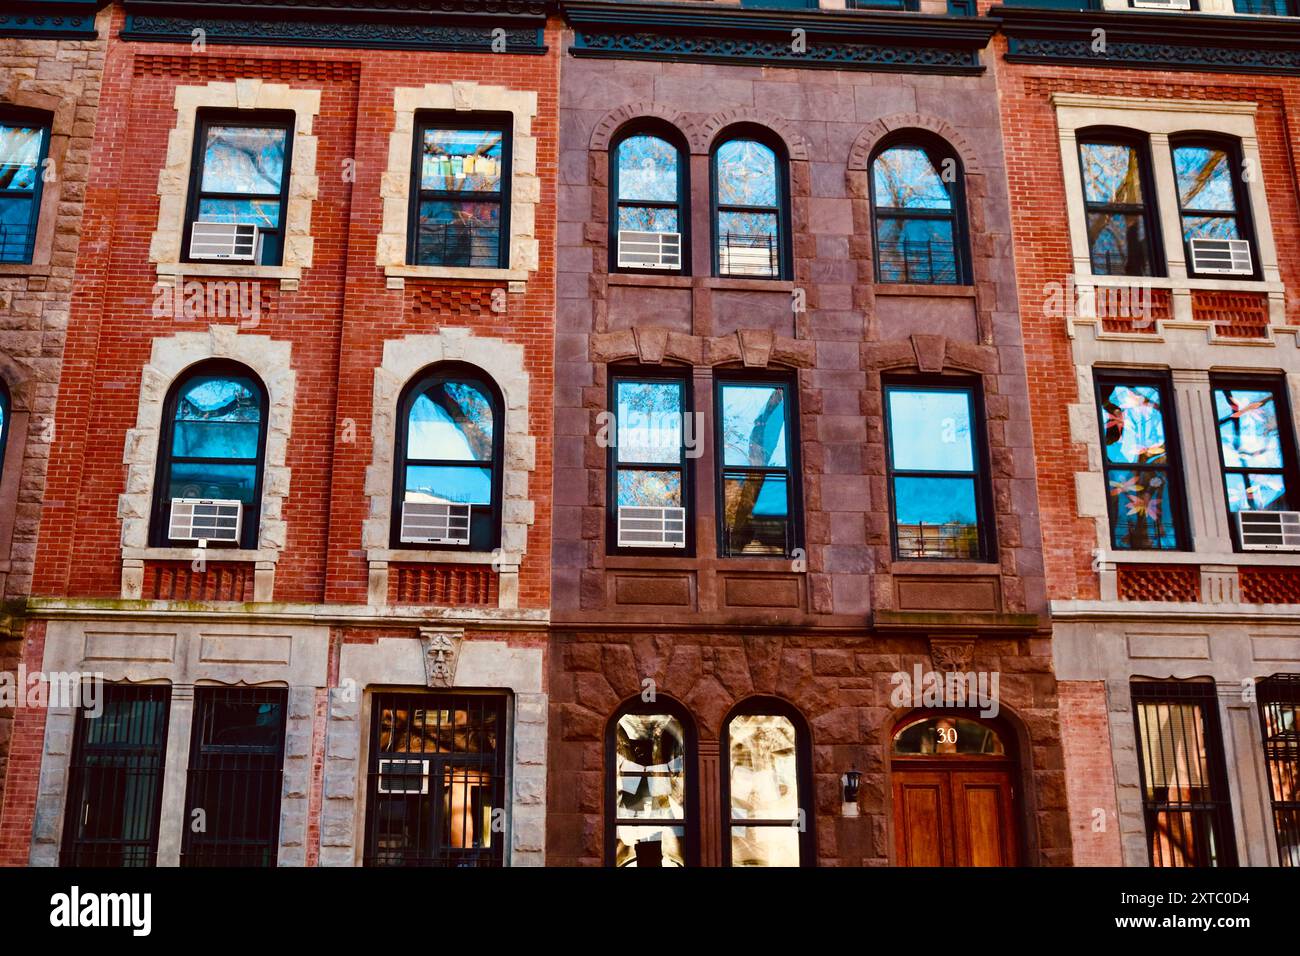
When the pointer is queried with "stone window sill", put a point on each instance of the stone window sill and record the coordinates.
(397, 275)
(24, 268)
(670, 280)
(289, 276)
(502, 561)
(211, 554)
(1231, 559)
(1178, 283)
(930, 567)
(916, 289)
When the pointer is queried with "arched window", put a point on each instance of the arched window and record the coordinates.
(1119, 202)
(750, 200)
(766, 790)
(918, 213)
(938, 736)
(209, 479)
(649, 171)
(1213, 206)
(650, 761)
(448, 476)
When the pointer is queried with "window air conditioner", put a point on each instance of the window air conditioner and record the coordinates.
(235, 241)
(651, 527)
(205, 519)
(649, 250)
(434, 523)
(1221, 257)
(1269, 530)
(403, 776)
(1162, 4)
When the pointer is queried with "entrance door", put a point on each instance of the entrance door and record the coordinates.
(952, 806)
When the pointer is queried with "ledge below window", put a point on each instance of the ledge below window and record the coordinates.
(504, 564)
(263, 561)
(922, 289)
(397, 275)
(24, 268)
(289, 276)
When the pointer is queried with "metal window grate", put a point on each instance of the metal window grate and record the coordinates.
(1184, 782)
(1279, 718)
(115, 780)
(236, 773)
(741, 254)
(448, 810)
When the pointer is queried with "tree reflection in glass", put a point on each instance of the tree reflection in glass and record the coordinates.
(650, 791)
(1137, 467)
(1250, 445)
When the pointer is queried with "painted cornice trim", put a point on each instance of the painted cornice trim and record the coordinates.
(50, 19)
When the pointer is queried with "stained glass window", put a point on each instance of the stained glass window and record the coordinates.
(243, 177)
(748, 188)
(462, 181)
(1253, 448)
(1209, 178)
(1117, 203)
(913, 199)
(23, 146)
(757, 478)
(1143, 481)
(650, 790)
(766, 815)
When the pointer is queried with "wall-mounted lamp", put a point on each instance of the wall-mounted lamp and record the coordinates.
(851, 780)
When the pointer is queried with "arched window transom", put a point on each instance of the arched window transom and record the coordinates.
(916, 202)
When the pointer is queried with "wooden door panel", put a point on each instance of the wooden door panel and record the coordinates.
(922, 819)
(983, 819)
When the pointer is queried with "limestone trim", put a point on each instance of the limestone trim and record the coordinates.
(525, 186)
(271, 361)
(501, 361)
(174, 179)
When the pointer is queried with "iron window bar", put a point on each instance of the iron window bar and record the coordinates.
(731, 243)
(1279, 719)
(448, 244)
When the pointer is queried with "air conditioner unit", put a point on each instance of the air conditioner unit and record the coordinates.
(651, 527)
(649, 250)
(234, 241)
(1163, 4)
(1230, 257)
(430, 523)
(205, 519)
(403, 776)
(1269, 530)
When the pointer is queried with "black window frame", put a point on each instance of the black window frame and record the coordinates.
(673, 137)
(36, 118)
(495, 121)
(250, 523)
(980, 458)
(1150, 208)
(764, 136)
(142, 757)
(451, 371)
(793, 470)
(244, 119)
(768, 706)
(1231, 147)
(662, 705)
(1218, 808)
(1173, 467)
(1274, 694)
(6, 424)
(937, 150)
(682, 377)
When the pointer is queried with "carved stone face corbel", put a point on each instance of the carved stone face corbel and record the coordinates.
(952, 656)
(441, 652)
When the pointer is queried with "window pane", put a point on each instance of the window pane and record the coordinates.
(930, 430)
(764, 846)
(936, 518)
(1141, 509)
(466, 795)
(462, 160)
(453, 233)
(1134, 425)
(264, 212)
(936, 736)
(746, 174)
(649, 489)
(1256, 492)
(650, 767)
(457, 484)
(1118, 244)
(206, 480)
(15, 228)
(906, 179)
(747, 244)
(650, 846)
(20, 156)
(1209, 227)
(238, 159)
(753, 425)
(764, 768)
(1248, 428)
(647, 169)
(451, 421)
(755, 514)
(649, 421)
(916, 250)
(648, 218)
(1111, 173)
(1204, 179)
(217, 417)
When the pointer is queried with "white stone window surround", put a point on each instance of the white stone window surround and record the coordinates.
(174, 180)
(525, 186)
(1158, 119)
(184, 655)
(170, 358)
(501, 361)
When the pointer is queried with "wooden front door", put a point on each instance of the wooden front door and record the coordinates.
(954, 816)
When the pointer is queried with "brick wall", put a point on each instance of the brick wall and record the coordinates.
(1089, 774)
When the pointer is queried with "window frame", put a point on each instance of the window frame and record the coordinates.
(793, 470)
(934, 148)
(419, 383)
(690, 823)
(985, 515)
(673, 137)
(496, 121)
(6, 424)
(765, 137)
(16, 115)
(767, 706)
(1150, 209)
(250, 522)
(1173, 451)
(1276, 693)
(658, 374)
(205, 119)
(1231, 146)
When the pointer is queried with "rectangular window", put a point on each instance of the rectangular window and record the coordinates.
(1144, 486)
(241, 175)
(648, 463)
(1184, 783)
(1279, 720)
(935, 479)
(235, 777)
(115, 779)
(1117, 200)
(1255, 450)
(460, 192)
(24, 144)
(757, 467)
(435, 792)
(1213, 208)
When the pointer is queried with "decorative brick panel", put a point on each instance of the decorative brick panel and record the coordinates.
(178, 581)
(1118, 315)
(1170, 582)
(1241, 315)
(209, 67)
(444, 585)
(1270, 585)
(450, 299)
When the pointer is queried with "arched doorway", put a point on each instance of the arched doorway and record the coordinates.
(954, 792)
